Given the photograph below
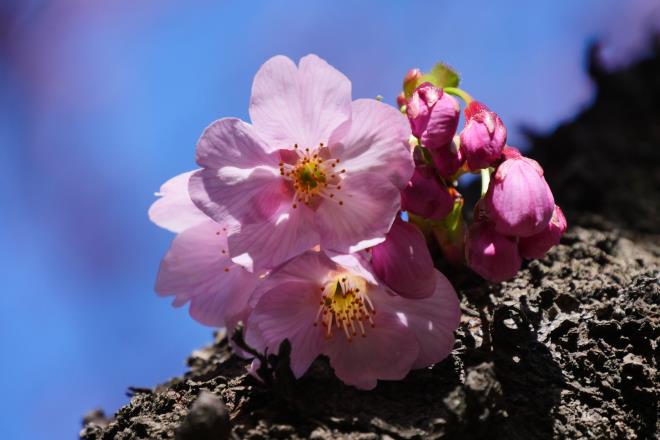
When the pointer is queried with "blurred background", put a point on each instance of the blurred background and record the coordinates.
(101, 102)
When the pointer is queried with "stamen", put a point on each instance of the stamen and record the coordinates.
(344, 304)
(309, 175)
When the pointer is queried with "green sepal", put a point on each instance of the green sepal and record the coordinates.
(441, 76)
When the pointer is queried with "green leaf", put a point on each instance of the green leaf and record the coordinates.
(441, 75)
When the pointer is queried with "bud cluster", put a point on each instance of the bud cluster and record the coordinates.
(516, 217)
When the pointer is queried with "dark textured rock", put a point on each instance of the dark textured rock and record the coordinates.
(207, 419)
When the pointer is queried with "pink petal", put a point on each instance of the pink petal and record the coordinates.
(174, 210)
(248, 195)
(288, 312)
(387, 352)
(303, 105)
(369, 205)
(377, 142)
(271, 242)
(239, 179)
(309, 267)
(404, 263)
(433, 320)
(230, 142)
(194, 269)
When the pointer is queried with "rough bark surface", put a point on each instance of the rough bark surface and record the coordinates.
(568, 349)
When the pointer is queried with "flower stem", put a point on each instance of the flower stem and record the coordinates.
(485, 181)
(465, 96)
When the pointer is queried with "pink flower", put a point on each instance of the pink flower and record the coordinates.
(197, 268)
(448, 159)
(519, 200)
(483, 136)
(433, 115)
(537, 245)
(340, 310)
(404, 263)
(490, 254)
(314, 168)
(426, 196)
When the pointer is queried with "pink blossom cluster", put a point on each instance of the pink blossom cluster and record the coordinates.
(292, 226)
(293, 222)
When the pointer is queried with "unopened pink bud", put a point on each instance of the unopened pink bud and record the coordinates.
(433, 115)
(426, 196)
(537, 245)
(419, 107)
(448, 159)
(483, 137)
(401, 100)
(493, 256)
(404, 262)
(509, 152)
(519, 200)
(411, 79)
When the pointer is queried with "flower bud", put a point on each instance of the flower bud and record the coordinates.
(426, 196)
(448, 159)
(410, 81)
(433, 115)
(401, 100)
(483, 136)
(537, 245)
(493, 256)
(519, 200)
(404, 262)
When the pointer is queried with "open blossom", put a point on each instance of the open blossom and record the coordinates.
(538, 244)
(403, 261)
(492, 255)
(313, 169)
(426, 196)
(197, 268)
(483, 137)
(519, 200)
(338, 308)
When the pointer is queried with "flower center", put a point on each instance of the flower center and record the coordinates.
(314, 174)
(346, 305)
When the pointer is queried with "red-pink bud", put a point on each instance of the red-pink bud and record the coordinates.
(538, 244)
(509, 152)
(401, 100)
(411, 79)
(519, 200)
(426, 196)
(490, 254)
(448, 159)
(483, 137)
(404, 262)
(433, 115)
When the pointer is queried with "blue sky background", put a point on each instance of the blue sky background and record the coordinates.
(100, 102)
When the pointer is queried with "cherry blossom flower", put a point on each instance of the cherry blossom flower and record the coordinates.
(313, 168)
(197, 268)
(337, 307)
